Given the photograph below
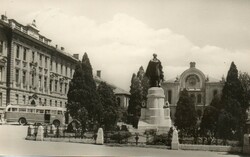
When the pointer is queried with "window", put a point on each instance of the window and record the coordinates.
(45, 102)
(17, 51)
(215, 92)
(32, 79)
(40, 82)
(199, 98)
(39, 111)
(119, 101)
(50, 85)
(60, 104)
(61, 69)
(56, 85)
(170, 97)
(51, 62)
(31, 110)
(1, 47)
(56, 67)
(66, 71)
(61, 87)
(22, 109)
(46, 62)
(50, 103)
(41, 60)
(70, 72)
(40, 101)
(59, 112)
(33, 56)
(24, 99)
(1, 99)
(66, 88)
(45, 82)
(14, 109)
(1, 73)
(24, 54)
(17, 97)
(24, 77)
(17, 75)
(56, 103)
(193, 97)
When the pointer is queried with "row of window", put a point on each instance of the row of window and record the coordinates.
(40, 103)
(45, 81)
(198, 100)
(41, 56)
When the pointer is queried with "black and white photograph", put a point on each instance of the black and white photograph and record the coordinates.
(157, 78)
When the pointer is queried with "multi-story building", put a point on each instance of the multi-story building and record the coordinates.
(200, 87)
(32, 71)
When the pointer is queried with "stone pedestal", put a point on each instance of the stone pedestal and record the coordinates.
(175, 140)
(39, 136)
(154, 116)
(99, 138)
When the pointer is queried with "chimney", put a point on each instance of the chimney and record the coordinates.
(76, 56)
(62, 48)
(192, 64)
(4, 17)
(98, 73)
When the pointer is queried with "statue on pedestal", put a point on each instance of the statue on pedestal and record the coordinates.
(154, 72)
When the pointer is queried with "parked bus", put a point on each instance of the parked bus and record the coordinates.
(35, 114)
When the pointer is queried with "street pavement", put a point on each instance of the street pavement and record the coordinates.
(12, 142)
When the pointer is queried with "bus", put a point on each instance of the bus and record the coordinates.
(35, 114)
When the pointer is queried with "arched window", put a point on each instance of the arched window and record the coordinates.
(193, 97)
(118, 101)
(199, 98)
(215, 92)
(170, 97)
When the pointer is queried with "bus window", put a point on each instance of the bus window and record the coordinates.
(22, 109)
(39, 111)
(14, 109)
(9, 109)
(31, 110)
(53, 111)
(59, 112)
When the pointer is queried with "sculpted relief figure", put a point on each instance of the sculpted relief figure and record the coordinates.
(154, 72)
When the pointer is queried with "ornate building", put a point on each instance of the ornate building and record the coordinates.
(32, 71)
(201, 88)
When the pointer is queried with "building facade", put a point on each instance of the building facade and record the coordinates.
(32, 71)
(202, 89)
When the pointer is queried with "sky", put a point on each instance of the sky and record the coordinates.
(119, 36)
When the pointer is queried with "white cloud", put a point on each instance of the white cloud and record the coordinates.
(120, 46)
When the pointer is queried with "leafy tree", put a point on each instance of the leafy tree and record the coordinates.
(111, 109)
(185, 115)
(134, 108)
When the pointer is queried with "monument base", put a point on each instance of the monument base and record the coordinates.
(155, 116)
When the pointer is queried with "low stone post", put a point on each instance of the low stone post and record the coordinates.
(40, 134)
(246, 144)
(32, 130)
(29, 132)
(175, 140)
(53, 128)
(99, 138)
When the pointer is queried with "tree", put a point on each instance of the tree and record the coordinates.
(134, 108)
(185, 115)
(90, 96)
(82, 95)
(144, 83)
(234, 102)
(111, 109)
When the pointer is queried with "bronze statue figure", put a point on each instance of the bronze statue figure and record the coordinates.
(154, 72)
